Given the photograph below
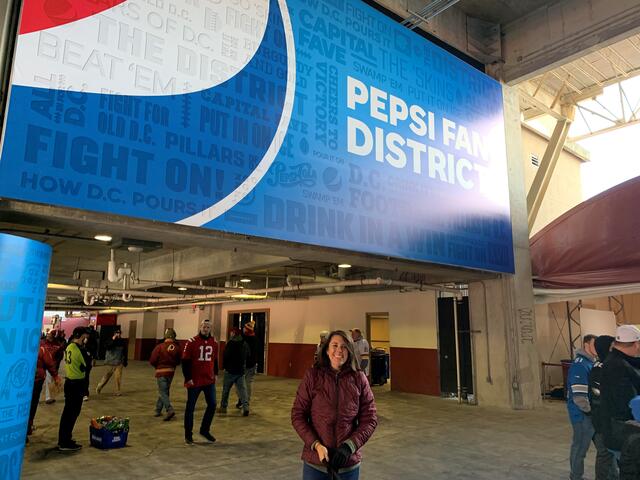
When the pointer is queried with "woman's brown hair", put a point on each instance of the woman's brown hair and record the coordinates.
(323, 359)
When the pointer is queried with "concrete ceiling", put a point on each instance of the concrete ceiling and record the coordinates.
(582, 80)
(522, 39)
(199, 259)
(502, 11)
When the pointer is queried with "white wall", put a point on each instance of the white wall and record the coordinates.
(597, 322)
(185, 322)
(412, 316)
(125, 318)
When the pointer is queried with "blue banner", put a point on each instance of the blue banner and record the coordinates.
(24, 270)
(320, 122)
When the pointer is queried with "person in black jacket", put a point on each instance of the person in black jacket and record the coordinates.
(250, 339)
(606, 467)
(620, 384)
(116, 358)
(236, 354)
(90, 352)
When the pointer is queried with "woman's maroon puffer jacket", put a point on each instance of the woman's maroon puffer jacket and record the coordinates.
(333, 407)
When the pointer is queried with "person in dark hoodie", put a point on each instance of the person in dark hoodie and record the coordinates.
(236, 354)
(90, 352)
(249, 336)
(606, 466)
(579, 407)
(620, 384)
(116, 358)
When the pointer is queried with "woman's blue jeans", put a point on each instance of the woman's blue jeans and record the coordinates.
(310, 473)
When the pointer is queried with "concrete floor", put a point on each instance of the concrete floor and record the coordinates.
(417, 437)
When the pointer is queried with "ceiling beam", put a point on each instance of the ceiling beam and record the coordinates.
(197, 263)
(538, 188)
(26, 213)
(538, 105)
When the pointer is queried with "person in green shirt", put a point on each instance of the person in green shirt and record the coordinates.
(74, 389)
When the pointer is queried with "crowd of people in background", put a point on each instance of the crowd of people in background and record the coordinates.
(339, 368)
(603, 401)
(603, 393)
(198, 358)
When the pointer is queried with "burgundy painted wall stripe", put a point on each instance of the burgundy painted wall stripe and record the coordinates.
(413, 370)
(289, 359)
(144, 347)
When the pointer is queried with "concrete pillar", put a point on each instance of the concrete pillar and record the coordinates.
(214, 314)
(506, 365)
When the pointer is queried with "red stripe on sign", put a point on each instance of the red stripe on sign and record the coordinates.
(42, 14)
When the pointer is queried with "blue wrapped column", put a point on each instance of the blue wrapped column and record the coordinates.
(24, 270)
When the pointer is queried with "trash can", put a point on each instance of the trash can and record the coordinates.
(379, 366)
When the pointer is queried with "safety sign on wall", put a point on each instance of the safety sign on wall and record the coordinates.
(315, 121)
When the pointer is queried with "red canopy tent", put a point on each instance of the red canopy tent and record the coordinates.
(593, 248)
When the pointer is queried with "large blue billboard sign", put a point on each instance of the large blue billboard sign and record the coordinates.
(24, 271)
(315, 121)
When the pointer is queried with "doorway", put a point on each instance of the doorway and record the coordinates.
(378, 331)
(239, 319)
(447, 347)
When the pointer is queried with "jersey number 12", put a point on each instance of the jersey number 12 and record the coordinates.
(205, 353)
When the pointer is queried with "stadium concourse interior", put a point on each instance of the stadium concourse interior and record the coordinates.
(418, 437)
(461, 332)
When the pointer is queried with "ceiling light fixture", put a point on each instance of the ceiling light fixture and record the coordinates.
(245, 280)
(344, 265)
(182, 289)
(103, 238)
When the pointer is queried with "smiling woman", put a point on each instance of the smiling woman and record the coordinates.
(334, 412)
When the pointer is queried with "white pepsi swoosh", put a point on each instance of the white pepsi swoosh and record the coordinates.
(261, 169)
(138, 49)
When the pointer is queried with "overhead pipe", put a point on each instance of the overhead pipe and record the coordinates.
(123, 274)
(131, 309)
(155, 298)
(315, 278)
(106, 290)
(153, 283)
(87, 298)
(318, 286)
(342, 273)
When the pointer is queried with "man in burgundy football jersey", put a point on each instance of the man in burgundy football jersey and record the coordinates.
(165, 358)
(199, 365)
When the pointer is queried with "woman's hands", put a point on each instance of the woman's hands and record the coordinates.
(323, 453)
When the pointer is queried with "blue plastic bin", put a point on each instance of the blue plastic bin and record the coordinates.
(104, 439)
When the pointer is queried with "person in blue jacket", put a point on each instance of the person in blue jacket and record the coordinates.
(579, 406)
